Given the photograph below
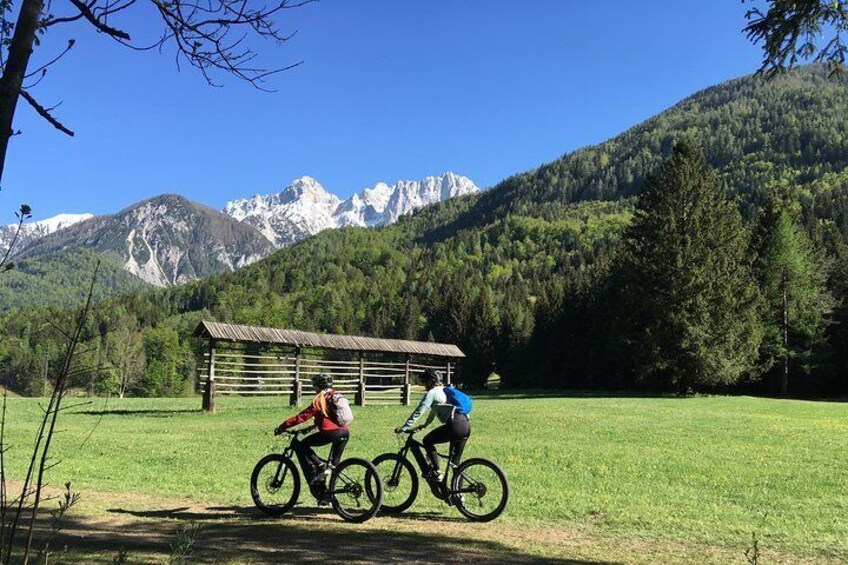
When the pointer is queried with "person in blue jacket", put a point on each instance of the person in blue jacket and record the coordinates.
(455, 428)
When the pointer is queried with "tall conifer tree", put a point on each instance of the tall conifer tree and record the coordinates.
(793, 282)
(693, 296)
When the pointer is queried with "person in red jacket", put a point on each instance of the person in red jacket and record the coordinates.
(328, 433)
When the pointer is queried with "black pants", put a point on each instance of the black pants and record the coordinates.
(456, 431)
(309, 461)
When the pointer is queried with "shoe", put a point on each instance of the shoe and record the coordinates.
(325, 500)
(321, 476)
(435, 476)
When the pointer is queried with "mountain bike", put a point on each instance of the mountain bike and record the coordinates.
(355, 489)
(478, 488)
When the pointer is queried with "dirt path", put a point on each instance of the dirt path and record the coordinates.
(146, 528)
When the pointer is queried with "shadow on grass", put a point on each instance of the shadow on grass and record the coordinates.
(233, 534)
(145, 412)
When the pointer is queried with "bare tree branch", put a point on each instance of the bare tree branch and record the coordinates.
(45, 113)
(97, 22)
(44, 67)
(40, 460)
(23, 214)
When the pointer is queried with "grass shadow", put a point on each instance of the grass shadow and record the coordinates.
(145, 412)
(232, 535)
(216, 513)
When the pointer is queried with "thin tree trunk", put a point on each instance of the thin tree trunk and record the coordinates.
(124, 379)
(784, 383)
(20, 50)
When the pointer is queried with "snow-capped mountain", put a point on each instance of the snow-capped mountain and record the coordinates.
(165, 240)
(32, 231)
(365, 208)
(302, 209)
(169, 240)
(305, 208)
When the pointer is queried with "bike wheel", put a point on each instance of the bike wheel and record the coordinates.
(479, 490)
(275, 484)
(356, 490)
(400, 482)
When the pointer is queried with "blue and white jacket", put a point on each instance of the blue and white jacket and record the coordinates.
(437, 403)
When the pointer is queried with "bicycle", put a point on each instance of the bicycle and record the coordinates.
(275, 484)
(478, 487)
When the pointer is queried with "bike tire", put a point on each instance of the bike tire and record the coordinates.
(463, 479)
(257, 485)
(407, 476)
(347, 476)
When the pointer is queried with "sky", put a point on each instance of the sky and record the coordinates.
(387, 90)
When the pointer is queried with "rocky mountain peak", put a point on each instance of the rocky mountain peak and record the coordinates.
(305, 208)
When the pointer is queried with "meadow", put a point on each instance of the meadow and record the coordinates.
(602, 479)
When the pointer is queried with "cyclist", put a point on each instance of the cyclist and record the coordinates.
(455, 427)
(328, 433)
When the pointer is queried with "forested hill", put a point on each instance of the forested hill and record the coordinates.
(63, 278)
(755, 131)
(495, 272)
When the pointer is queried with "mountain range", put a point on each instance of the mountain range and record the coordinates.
(169, 240)
(305, 208)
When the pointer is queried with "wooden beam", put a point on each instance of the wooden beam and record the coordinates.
(360, 397)
(209, 393)
(407, 386)
(448, 374)
(297, 386)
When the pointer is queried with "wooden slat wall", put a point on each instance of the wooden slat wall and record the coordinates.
(251, 374)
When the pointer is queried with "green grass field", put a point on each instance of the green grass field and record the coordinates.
(706, 471)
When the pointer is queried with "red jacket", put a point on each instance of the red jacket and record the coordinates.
(318, 410)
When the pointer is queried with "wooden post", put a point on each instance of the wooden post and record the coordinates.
(407, 387)
(209, 393)
(448, 374)
(297, 386)
(360, 397)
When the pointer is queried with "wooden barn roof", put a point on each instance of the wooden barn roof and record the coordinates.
(254, 334)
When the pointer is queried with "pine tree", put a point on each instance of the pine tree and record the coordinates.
(792, 278)
(694, 300)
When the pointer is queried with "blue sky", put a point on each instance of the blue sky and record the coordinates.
(388, 90)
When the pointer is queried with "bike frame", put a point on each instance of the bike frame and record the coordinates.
(440, 489)
(289, 453)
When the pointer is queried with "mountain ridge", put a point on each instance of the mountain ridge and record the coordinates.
(31, 231)
(164, 240)
(305, 207)
(152, 237)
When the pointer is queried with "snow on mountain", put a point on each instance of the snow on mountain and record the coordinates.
(305, 208)
(32, 231)
(408, 196)
(169, 240)
(365, 208)
(302, 209)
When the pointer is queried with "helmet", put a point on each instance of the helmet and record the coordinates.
(432, 377)
(322, 380)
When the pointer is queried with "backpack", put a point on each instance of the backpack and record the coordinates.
(461, 402)
(339, 409)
